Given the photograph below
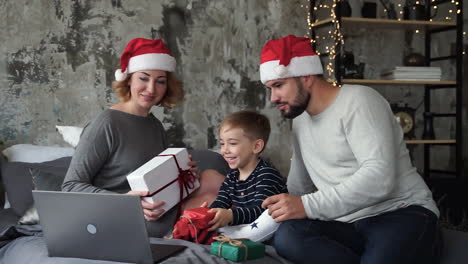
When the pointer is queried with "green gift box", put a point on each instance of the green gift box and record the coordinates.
(237, 249)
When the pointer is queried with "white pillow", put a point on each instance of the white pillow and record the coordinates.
(70, 134)
(34, 153)
(7, 203)
(31, 217)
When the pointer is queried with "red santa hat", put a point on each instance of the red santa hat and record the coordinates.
(290, 56)
(144, 54)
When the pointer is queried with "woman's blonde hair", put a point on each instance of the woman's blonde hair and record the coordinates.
(174, 93)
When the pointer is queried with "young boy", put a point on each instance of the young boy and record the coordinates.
(243, 136)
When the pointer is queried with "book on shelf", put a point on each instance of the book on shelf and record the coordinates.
(417, 69)
(411, 77)
(413, 69)
(413, 73)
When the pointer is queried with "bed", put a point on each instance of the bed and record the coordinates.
(43, 168)
(26, 167)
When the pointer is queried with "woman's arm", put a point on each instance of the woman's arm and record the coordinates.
(91, 154)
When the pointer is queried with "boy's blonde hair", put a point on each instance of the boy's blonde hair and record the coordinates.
(255, 125)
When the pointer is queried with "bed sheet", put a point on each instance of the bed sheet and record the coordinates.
(32, 249)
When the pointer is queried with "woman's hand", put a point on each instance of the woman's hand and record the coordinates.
(150, 210)
(222, 218)
(193, 166)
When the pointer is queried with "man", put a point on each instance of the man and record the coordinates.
(354, 195)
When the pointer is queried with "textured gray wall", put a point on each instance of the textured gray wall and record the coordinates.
(57, 61)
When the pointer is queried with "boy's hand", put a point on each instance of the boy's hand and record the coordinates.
(222, 218)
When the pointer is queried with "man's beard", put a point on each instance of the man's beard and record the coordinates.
(299, 104)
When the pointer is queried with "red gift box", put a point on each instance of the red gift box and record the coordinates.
(193, 224)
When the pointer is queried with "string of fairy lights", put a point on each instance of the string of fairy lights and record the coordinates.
(335, 36)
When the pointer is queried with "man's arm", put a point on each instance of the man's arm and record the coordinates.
(370, 132)
(298, 181)
(289, 206)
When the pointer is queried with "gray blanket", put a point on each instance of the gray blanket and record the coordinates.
(27, 246)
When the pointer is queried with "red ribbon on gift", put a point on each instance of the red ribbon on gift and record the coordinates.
(186, 181)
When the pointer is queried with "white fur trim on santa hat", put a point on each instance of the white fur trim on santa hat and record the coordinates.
(281, 70)
(152, 61)
(299, 66)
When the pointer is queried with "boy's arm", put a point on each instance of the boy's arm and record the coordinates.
(223, 200)
(269, 183)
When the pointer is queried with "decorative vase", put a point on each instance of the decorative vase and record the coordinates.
(414, 12)
(428, 132)
(344, 8)
(369, 10)
(414, 59)
(391, 12)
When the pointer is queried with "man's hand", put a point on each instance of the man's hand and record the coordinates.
(222, 218)
(284, 206)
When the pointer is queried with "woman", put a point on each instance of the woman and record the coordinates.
(125, 136)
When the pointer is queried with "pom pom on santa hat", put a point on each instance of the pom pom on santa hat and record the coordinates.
(144, 54)
(290, 56)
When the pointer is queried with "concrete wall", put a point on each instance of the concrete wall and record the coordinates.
(57, 61)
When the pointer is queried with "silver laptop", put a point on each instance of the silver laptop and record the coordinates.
(97, 226)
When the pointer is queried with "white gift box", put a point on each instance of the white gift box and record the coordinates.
(160, 175)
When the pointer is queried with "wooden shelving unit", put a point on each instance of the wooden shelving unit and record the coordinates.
(394, 24)
(438, 141)
(378, 23)
(366, 81)
(321, 23)
(429, 28)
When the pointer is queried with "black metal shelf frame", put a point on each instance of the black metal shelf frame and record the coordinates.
(458, 145)
(458, 87)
